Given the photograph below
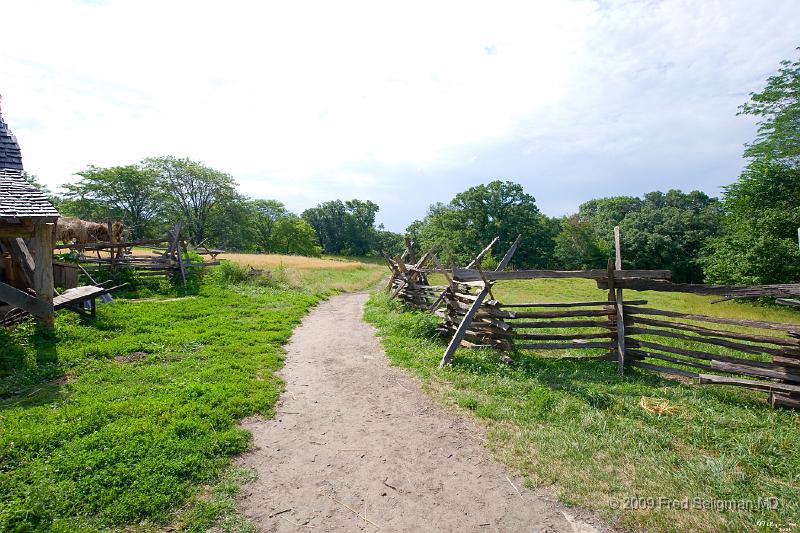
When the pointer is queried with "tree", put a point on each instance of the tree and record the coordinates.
(761, 217)
(669, 232)
(344, 227)
(195, 191)
(577, 246)
(778, 107)
(128, 192)
(762, 209)
(266, 214)
(463, 227)
(293, 235)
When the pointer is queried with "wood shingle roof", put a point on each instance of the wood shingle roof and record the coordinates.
(18, 198)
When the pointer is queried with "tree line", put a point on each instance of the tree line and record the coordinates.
(749, 235)
(151, 196)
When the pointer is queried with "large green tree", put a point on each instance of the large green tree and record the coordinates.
(461, 228)
(762, 209)
(762, 217)
(127, 192)
(196, 192)
(778, 110)
(660, 230)
(266, 214)
(344, 227)
(293, 235)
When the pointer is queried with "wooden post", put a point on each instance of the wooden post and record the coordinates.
(619, 302)
(111, 241)
(178, 251)
(42, 243)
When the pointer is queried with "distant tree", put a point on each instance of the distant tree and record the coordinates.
(464, 226)
(230, 224)
(389, 241)
(266, 214)
(127, 192)
(344, 227)
(577, 246)
(669, 232)
(602, 214)
(778, 107)
(762, 214)
(195, 191)
(293, 235)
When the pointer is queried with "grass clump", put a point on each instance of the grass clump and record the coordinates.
(576, 423)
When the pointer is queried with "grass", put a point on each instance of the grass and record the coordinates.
(575, 423)
(315, 273)
(129, 421)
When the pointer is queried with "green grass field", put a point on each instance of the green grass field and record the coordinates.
(130, 420)
(574, 423)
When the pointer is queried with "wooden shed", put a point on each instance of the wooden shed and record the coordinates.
(27, 221)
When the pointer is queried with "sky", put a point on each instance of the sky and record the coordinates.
(402, 103)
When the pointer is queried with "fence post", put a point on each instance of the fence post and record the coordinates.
(619, 305)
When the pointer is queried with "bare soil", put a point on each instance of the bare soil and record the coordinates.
(356, 445)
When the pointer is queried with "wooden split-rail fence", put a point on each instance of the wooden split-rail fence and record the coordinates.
(753, 354)
(167, 257)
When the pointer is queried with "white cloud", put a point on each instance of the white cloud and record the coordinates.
(309, 101)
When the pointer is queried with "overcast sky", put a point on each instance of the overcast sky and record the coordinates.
(403, 103)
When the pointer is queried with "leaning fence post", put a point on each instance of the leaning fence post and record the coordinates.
(619, 304)
(458, 336)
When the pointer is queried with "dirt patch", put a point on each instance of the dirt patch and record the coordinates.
(356, 445)
(130, 357)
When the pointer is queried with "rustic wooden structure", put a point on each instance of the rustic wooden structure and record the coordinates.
(757, 355)
(166, 257)
(26, 232)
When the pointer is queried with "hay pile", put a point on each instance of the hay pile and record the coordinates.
(74, 230)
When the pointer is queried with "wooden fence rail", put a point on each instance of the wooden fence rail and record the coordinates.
(752, 354)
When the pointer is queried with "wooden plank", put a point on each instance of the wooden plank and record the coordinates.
(664, 369)
(792, 328)
(17, 298)
(24, 229)
(784, 400)
(642, 283)
(750, 384)
(745, 364)
(570, 304)
(566, 345)
(619, 306)
(562, 314)
(482, 253)
(462, 328)
(561, 336)
(556, 324)
(738, 346)
(700, 330)
(462, 274)
(42, 243)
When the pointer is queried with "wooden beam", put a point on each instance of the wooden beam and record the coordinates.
(25, 301)
(24, 229)
(483, 252)
(42, 243)
(620, 316)
(463, 274)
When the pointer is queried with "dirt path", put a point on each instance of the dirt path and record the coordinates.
(352, 432)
